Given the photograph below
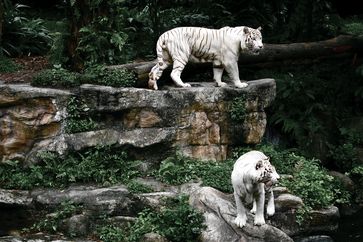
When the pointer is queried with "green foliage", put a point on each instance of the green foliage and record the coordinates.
(317, 189)
(78, 119)
(57, 77)
(97, 33)
(53, 221)
(311, 183)
(101, 44)
(110, 77)
(178, 221)
(102, 165)
(111, 233)
(136, 187)
(237, 109)
(345, 154)
(177, 170)
(7, 65)
(99, 75)
(353, 26)
(23, 36)
(312, 100)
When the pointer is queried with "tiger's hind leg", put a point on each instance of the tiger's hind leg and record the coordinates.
(156, 73)
(217, 75)
(178, 67)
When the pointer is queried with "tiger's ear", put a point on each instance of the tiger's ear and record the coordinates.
(246, 30)
(259, 28)
(259, 164)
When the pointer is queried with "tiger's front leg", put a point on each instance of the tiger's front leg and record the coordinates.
(241, 218)
(270, 210)
(232, 70)
(260, 205)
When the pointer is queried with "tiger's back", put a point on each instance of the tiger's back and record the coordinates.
(201, 44)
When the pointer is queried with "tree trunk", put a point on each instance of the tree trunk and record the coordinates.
(272, 53)
(2, 11)
(79, 16)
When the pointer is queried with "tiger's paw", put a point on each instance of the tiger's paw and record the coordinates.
(186, 85)
(221, 84)
(259, 221)
(241, 84)
(240, 221)
(153, 84)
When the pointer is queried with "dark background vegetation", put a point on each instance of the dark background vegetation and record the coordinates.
(318, 106)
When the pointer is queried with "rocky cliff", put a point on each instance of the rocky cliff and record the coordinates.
(196, 121)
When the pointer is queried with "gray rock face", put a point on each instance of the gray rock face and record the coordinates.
(219, 212)
(218, 209)
(196, 120)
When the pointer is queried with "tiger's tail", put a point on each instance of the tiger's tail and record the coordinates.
(160, 66)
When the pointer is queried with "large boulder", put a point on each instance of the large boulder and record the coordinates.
(196, 121)
(219, 212)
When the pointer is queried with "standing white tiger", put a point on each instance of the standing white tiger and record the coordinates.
(252, 176)
(222, 47)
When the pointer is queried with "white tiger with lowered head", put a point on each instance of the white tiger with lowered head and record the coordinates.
(252, 176)
(222, 47)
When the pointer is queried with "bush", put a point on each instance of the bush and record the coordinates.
(237, 110)
(111, 233)
(52, 223)
(78, 119)
(102, 165)
(177, 170)
(178, 221)
(56, 78)
(24, 36)
(137, 187)
(7, 65)
(99, 75)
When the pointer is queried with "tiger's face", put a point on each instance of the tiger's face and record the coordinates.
(266, 172)
(253, 40)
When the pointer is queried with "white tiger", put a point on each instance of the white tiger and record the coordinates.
(222, 47)
(253, 174)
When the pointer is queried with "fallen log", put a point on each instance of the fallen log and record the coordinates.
(335, 47)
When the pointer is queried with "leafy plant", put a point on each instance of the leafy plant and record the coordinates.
(110, 77)
(53, 221)
(178, 221)
(96, 34)
(23, 36)
(237, 110)
(136, 187)
(57, 77)
(111, 233)
(78, 119)
(7, 65)
(179, 169)
(99, 75)
(102, 165)
(96, 37)
(353, 26)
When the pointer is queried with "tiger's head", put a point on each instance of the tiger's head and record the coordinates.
(252, 40)
(266, 173)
